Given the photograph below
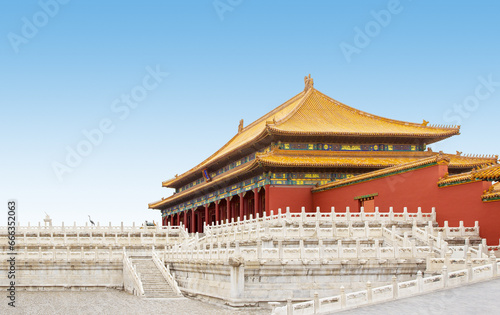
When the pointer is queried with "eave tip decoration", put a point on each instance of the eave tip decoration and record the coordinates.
(308, 82)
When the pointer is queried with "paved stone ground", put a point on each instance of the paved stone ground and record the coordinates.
(110, 302)
(479, 298)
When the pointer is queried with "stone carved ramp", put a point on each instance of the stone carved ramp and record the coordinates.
(153, 282)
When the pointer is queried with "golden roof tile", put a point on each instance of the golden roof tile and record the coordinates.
(468, 161)
(205, 185)
(312, 113)
(387, 160)
(489, 173)
(492, 194)
(247, 134)
(448, 180)
(374, 159)
(289, 158)
(320, 114)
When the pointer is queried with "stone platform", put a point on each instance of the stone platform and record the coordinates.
(111, 302)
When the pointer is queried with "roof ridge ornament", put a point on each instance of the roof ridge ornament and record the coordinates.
(441, 158)
(308, 82)
(240, 126)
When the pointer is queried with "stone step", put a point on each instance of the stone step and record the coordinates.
(161, 296)
(151, 276)
(157, 290)
(150, 294)
(150, 284)
(154, 280)
(155, 286)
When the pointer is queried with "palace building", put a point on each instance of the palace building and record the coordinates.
(298, 151)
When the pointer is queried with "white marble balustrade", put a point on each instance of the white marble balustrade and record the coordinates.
(396, 290)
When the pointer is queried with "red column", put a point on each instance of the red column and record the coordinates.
(241, 206)
(172, 219)
(197, 219)
(193, 221)
(228, 210)
(206, 215)
(266, 196)
(255, 201)
(217, 211)
(186, 218)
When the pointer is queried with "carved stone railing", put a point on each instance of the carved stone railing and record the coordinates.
(55, 254)
(110, 229)
(325, 217)
(183, 232)
(460, 231)
(396, 290)
(284, 231)
(94, 239)
(340, 251)
(166, 273)
(131, 278)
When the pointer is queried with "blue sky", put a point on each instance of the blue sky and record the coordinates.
(195, 68)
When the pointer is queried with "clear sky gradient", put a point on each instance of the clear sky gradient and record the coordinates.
(68, 67)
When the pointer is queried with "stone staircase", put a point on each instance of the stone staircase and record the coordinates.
(155, 286)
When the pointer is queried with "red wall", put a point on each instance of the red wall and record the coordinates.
(419, 189)
(290, 196)
(411, 189)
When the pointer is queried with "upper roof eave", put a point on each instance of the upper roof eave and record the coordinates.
(235, 172)
(277, 131)
(268, 125)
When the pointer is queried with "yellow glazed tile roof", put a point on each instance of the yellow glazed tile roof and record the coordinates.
(492, 194)
(465, 161)
(386, 160)
(312, 113)
(490, 173)
(205, 185)
(320, 114)
(249, 134)
(375, 159)
(448, 180)
(287, 158)
(486, 173)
